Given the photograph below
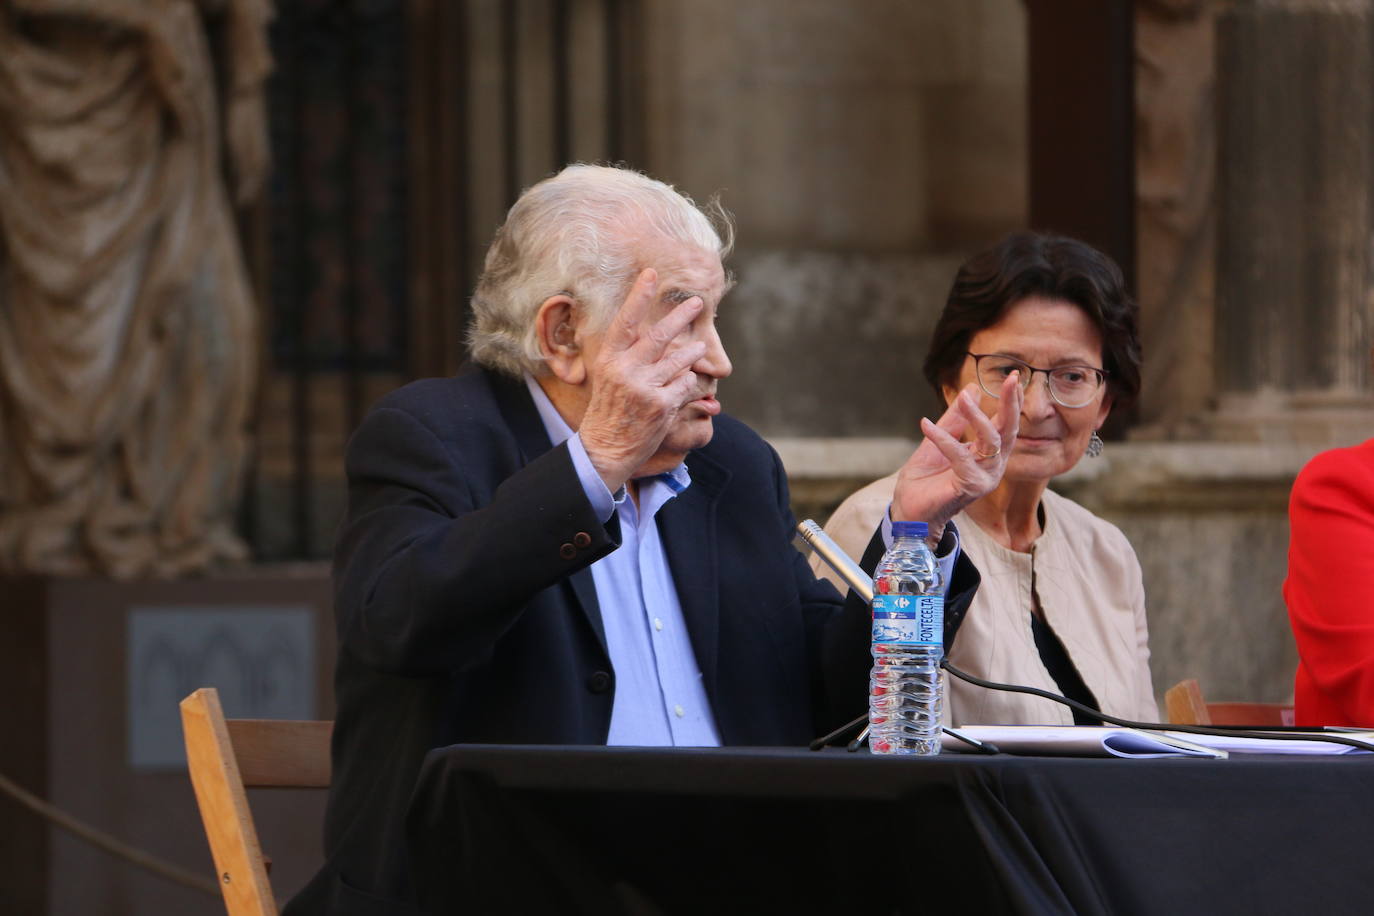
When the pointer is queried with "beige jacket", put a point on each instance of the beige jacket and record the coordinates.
(1088, 582)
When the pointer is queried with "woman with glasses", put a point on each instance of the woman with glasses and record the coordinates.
(1061, 606)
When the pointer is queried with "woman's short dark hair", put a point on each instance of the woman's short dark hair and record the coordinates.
(1051, 266)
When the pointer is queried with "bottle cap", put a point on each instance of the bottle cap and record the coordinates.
(910, 529)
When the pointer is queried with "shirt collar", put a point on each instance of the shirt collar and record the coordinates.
(558, 429)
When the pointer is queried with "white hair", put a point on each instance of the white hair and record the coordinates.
(577, 233)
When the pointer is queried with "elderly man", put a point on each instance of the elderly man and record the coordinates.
(571, 544)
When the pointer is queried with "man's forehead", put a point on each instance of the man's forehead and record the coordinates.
(684, 270)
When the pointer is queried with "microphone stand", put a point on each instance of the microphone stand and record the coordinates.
(862, 583)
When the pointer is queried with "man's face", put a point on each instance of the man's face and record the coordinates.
(684, 272)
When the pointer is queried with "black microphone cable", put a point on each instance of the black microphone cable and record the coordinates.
(858, 580)
(1216, 731)
(1157, 726)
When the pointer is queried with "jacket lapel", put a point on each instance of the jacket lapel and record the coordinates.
(687, 526)
(523, 420)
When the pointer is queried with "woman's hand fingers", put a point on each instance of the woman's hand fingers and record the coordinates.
(985, 440)
(1008, 418)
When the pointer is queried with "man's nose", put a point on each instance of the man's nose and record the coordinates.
(714, 362)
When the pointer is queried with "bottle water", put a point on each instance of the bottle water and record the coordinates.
(905, 693)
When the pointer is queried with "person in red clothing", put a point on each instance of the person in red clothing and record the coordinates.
(1330, 587)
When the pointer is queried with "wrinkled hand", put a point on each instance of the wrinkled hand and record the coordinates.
(640, 378)
(944, 474)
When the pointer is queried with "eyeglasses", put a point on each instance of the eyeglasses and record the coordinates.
(1071, 386)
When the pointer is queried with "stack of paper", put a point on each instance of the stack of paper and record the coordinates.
(1111, 741)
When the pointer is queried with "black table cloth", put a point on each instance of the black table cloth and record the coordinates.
(501, 829)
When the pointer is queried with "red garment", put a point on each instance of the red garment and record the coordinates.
(1330, 587)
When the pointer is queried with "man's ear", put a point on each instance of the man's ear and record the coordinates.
(555, 328)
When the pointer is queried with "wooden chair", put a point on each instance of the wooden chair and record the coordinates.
(1187, 707)
(224, 757)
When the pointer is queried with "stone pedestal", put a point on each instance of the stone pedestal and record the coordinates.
(92, 673)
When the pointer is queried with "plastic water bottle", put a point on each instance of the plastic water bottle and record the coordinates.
(905, 694)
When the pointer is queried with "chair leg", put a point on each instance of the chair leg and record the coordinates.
(224, 807)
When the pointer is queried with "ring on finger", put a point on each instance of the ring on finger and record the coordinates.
(984, 456)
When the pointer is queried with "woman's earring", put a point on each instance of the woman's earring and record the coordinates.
(1094, 445)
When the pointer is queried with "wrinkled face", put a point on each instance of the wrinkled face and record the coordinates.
(683, 272)
(1045, 333)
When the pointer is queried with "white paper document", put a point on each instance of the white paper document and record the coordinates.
(1078, 741)
(1237, 745)
(1112, 741)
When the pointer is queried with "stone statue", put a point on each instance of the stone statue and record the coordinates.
(128, 333)
(1175, 124)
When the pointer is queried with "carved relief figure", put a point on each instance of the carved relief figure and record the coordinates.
(1176, 211)
(128, 337)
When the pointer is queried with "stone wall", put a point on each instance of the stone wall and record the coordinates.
(1255, 188)
(830, 344)
(882, 126)
(864, 149)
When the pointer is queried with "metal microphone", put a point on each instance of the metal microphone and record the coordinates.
(851, 572)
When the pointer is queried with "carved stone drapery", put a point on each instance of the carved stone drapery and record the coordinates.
(128, 336)
(1175, 136)
(1295, 272)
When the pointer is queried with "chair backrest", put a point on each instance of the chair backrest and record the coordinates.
(1186, 706)
(225, 756)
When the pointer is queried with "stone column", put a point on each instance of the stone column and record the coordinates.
(1175, 156)
(1255, 155)
(1295, 173)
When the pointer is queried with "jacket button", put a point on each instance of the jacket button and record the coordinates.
(582, 539)
(567, 551)
(599, 682)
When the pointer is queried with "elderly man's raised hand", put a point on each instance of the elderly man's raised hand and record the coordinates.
(945, 474)
(639, 379)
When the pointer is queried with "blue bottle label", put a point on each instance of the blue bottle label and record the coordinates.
(909, 620)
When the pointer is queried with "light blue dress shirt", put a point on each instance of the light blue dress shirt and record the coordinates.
(659, 697)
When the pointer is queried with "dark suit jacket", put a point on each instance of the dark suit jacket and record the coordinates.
(466, 610)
